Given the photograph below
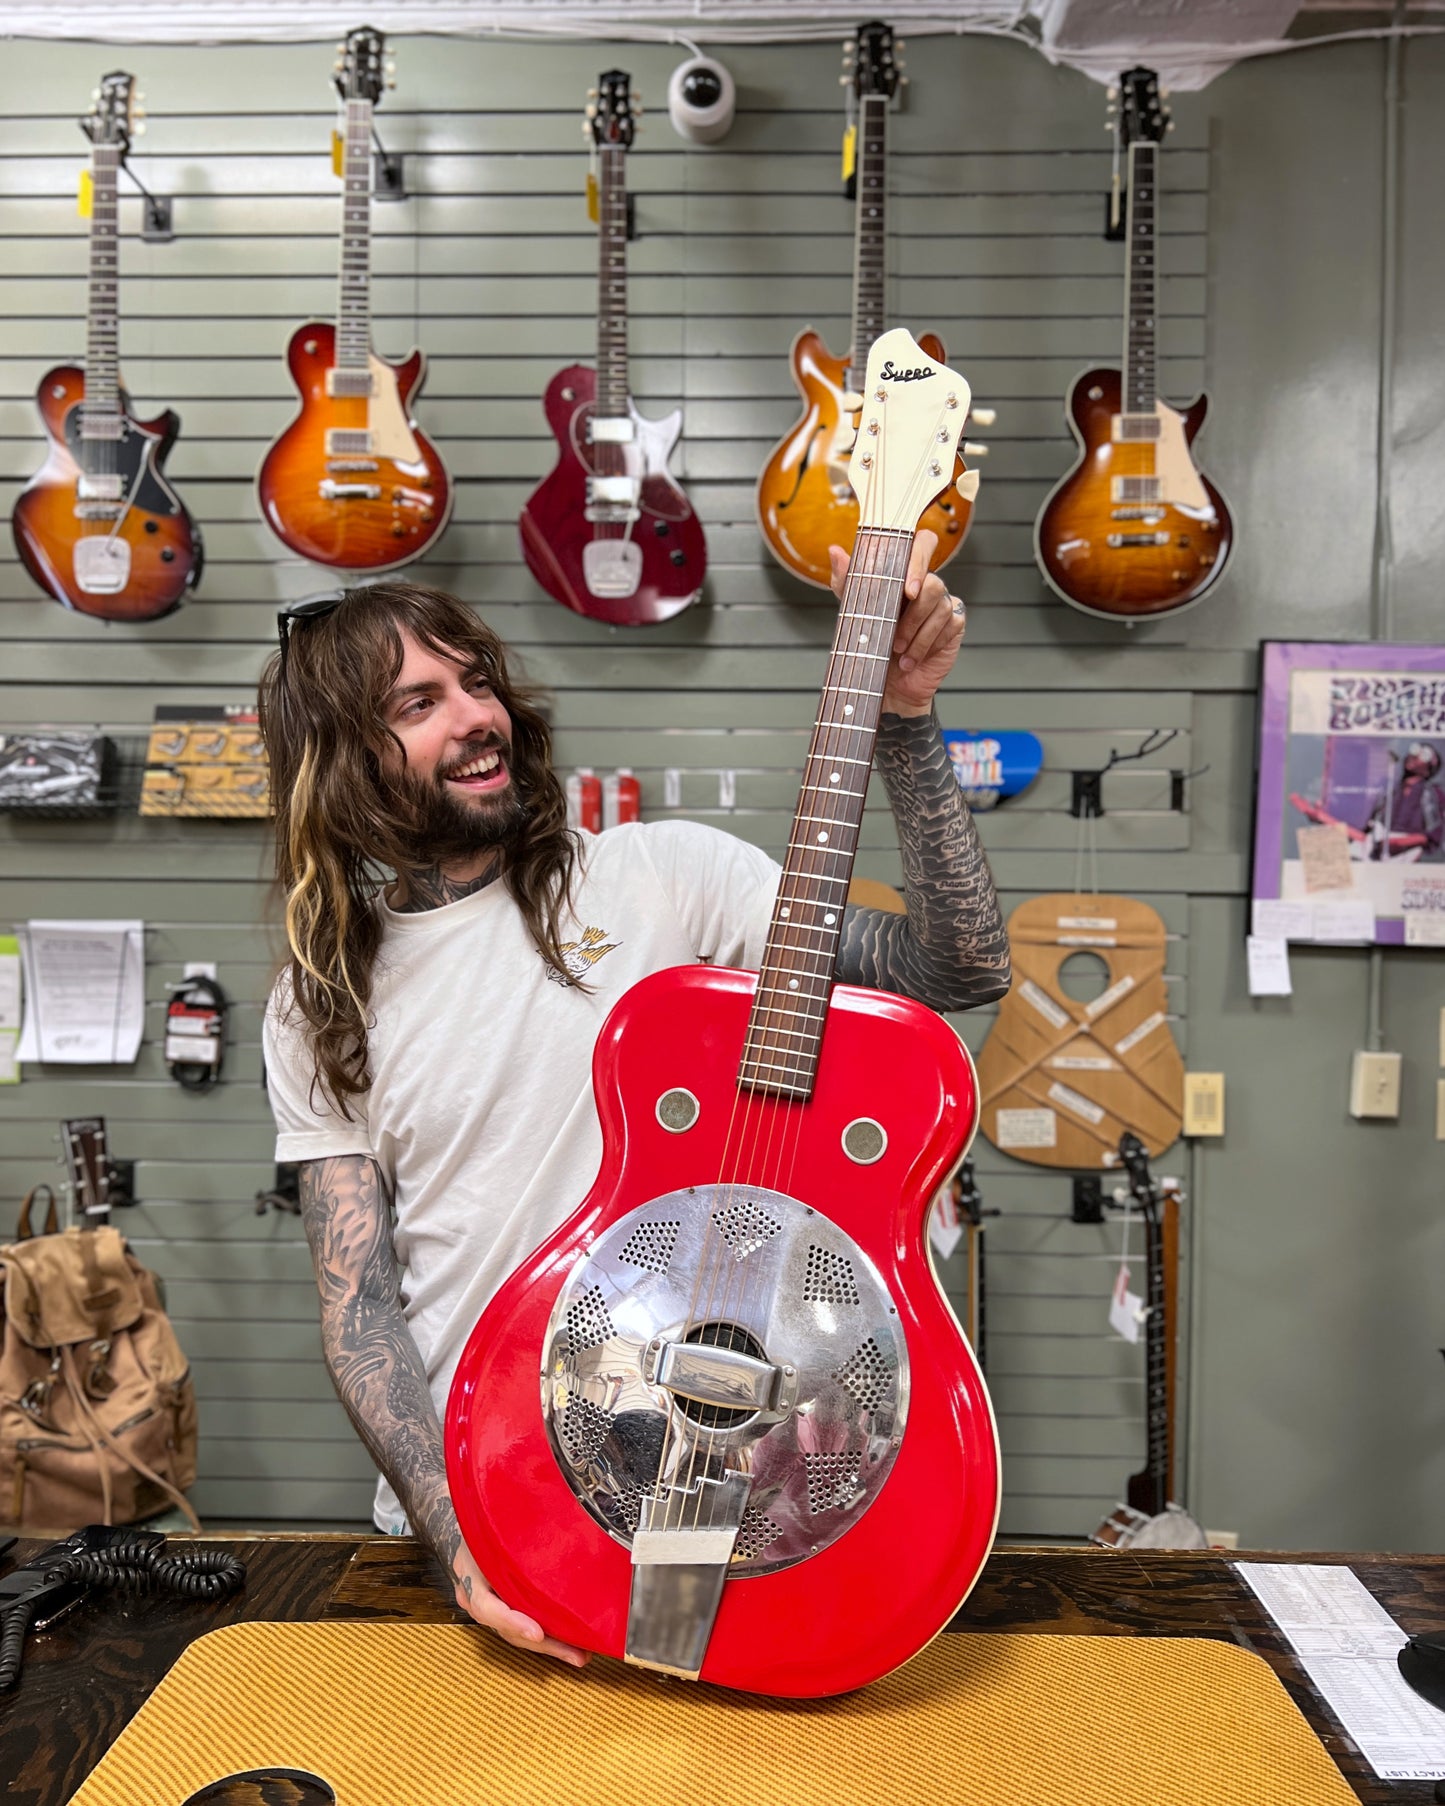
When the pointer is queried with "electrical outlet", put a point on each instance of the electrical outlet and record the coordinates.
(1375, 1084)
(1222, 1539)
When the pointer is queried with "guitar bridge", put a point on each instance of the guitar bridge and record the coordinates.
(681, 1553)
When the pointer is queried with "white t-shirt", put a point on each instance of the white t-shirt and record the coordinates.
(480, 1113)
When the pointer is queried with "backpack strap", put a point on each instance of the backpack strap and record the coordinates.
(23, 1231)
(136, 1465)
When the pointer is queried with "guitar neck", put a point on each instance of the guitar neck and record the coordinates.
(612, 390)
(1150, 1490)
(353, 308)
(1140, 376)
(101, 418)
(785, 1029)
(870, 244)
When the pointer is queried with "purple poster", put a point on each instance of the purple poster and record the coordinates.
(1350, 816)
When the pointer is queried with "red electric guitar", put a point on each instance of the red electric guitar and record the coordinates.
(723, 1422)
(99, 525)
(609, 533)
(353, 483)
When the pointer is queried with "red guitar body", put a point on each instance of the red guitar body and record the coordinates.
(389, 505)
(891, 1580)
(556, 532)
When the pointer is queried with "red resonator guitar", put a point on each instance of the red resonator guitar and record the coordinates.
(723, 1422)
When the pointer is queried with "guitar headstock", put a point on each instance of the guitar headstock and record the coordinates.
(911, 421)
(116, 114)
(363, 68)
(612, 111)
(872, 65)
(1144, 1189)
(1143, 117)
(87, 1164)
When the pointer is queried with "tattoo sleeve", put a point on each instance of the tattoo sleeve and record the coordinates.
(950, 950)
(369, 1350)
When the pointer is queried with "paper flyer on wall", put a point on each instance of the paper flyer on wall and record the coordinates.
(84, 991)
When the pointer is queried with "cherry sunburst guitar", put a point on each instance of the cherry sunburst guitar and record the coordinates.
(1134, 530)
(805, 501)
(723, 1422)
(609, 533)
(353, 482)
(99, 526)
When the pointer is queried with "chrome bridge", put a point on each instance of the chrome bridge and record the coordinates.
(725, 1387)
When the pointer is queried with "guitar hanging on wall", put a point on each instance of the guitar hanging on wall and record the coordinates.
(1134, 531)
(723, 1422)
(353, 482)
(609, 534)
(99, 525)
(805, 501)
(1150, 1519)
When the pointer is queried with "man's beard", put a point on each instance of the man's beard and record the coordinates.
(444, 829)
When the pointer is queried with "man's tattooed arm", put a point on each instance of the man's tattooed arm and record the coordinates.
(369, 1348)
(951, 949)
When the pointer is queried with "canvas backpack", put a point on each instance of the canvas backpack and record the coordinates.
(97, 1409)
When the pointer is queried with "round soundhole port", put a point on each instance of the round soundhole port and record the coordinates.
(864, 1140)
(678, 1110)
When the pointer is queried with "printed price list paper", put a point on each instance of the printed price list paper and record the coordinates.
(1347, 1643)
(84, 991)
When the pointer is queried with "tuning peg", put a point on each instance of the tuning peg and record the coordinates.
(591, 109)
(1111, 92)
(845, 81)
(591, 94)
(972, 450)
(1164, 93)
(967, 485)
(391, 81)
(904, 81)
(899, 46)
(138, 131)
(847, 46)
(983, 416)
(1170, 126)
(851, 402)
(95, 93)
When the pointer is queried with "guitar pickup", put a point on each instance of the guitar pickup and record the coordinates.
(348, 442)
(350, 384)
(615, 491)
(610, 430)
(1135, 489)
(107, 488)
(332, 491)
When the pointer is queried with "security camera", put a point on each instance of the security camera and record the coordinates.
(701, 98)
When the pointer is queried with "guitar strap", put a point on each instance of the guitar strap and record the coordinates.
(1062, 1080)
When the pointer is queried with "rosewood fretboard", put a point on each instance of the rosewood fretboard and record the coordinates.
(1140, 386)
(353, 310)
(785, 1029)
(101, 418)
(612, 280)
(870, 244)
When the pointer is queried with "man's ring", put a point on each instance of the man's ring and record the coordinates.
(957, 606)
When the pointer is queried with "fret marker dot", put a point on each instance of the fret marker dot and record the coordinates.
(862, 639)
(847, 708)
(830, 919)
(792, 984)
(836, 778)
(785, 913)
(822, 839)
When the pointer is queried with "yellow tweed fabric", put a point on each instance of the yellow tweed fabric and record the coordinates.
(444, 1715)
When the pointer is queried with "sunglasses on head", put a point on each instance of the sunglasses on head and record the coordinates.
(298, 614)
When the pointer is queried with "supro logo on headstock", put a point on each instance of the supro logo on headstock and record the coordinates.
(891, 374)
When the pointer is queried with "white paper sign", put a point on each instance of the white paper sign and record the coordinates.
(1027, 1129)
(1347, 1643)
(1268, 967)
(84, 991)
(1283, 919)
(1127, 1309)
(1352, 921)
(1425, 928)
(944, 1229)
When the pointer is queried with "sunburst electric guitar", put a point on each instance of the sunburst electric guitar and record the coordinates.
(1134, 530)
(723, 1422)
(353, 482)
(805, 501)
(608, 533)
(99, 525)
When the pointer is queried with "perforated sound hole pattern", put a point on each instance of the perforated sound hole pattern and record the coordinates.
(650, 1245)
(756, 1534)
(866, 1374)
(745, 1227)
(588, 1324)
(829, 1278)
(832, 1479)
(584, 1428)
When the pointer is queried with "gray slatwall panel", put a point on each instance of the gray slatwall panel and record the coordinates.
(997, 172)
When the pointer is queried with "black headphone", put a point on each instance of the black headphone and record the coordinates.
(192, 995)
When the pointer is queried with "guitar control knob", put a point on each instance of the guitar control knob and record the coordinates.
(984, 416)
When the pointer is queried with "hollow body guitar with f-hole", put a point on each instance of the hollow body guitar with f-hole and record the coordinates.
(723, 1421)
(805, 500)
(609, 534)
(99, 525)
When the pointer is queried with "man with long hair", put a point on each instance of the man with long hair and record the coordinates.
(454, 951)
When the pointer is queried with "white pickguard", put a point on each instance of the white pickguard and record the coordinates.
(389, 433)
(1180, 484)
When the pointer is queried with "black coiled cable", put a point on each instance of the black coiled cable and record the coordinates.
(142, 1565)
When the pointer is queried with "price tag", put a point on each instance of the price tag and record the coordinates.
(850, 152)
(1127, 1309)
(338, 154)
(85, 195)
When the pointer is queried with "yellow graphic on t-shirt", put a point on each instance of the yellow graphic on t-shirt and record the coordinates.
(580, 957)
